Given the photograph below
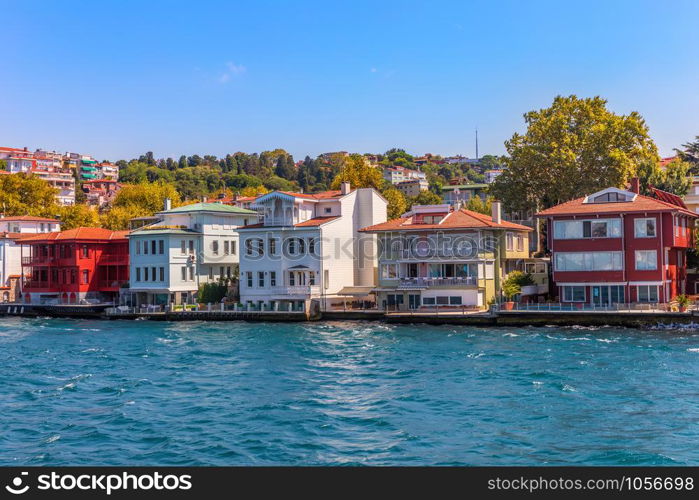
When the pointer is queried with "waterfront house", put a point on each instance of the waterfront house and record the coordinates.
(309, 247)
(186, 247)
(618, 246)
(81, 265)
(12, 230)
(438, 256)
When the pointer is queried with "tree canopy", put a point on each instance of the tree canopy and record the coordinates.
(572, 148)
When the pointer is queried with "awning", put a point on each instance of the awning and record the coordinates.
(300, 266)
(356, 291)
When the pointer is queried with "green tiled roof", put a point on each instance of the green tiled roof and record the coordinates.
(210, 207)
(464, 186)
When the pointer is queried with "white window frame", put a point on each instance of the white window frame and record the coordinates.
(572, 293)
(642, 223)
(637, 253)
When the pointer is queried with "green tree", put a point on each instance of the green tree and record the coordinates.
(397, 204)
(476, 204)
(690, 154)
(359, 173)
(211, 293)
(147, 198)
(574, 147)
(117, 218)
(73, 216)
(22, 194)
(425, 198)
(673, 179)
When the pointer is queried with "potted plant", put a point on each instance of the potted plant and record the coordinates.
(511, 287)
(682, 302)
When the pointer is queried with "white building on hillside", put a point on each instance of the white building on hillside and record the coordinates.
(188, 246)
(12, 229)
(309, 247)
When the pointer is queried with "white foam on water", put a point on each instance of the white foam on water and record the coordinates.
(693, 349)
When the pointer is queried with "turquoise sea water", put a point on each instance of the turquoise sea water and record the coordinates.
(149, 393)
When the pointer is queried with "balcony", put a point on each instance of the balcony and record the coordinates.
(424, 282)
(114, 284)
(113, 260)
(297, 290)
(37, 260)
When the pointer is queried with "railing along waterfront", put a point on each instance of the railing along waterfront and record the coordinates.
(433, 282)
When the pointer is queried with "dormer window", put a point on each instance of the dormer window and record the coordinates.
(609, 198)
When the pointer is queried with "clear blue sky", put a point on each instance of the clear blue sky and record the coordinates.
(117, 78)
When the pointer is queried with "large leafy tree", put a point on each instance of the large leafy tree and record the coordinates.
(73, 216)
(22, 194)
(359, 173)
(146, 198)
(397, 203)
(572, 148)
(690, 154)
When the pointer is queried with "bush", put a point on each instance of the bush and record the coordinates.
(514, 282)
(211, 293)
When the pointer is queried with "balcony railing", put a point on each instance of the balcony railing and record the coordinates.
(438, 282)
(113, 259)
(37, 260)
(298, 290)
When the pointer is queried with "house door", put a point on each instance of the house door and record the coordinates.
(600, 295)
(413, 301)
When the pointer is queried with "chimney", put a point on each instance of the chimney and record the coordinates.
(497, 212)
(168, 204)
(345, 188)
(635, 185)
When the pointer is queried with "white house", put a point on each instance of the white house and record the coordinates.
(12, 229)
(309, 247)
(186, 247)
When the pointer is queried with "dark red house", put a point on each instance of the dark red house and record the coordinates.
(618, 246)
(82, 265)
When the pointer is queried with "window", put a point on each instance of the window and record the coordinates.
(573, 294)
(312, 246)
(311, 278)
(145, 248)
(326, 278)
(161, 247)
(272, 278)
(145, 274)
(191, 273)
(138, 247)
(226, 247)
(442, 301)
(646, 260)
(249, 278)
(154, 276)
(644, 228)
(535, 267)
(648, 293)
(272, 245)
(138, 274)
(589, 261)
(228, 271)
(292, 278)
(211, 272)
(183, 247)
(389, 271)
(609, 197)
(510, 242)
(85, 251)
(260, 247)
(162, 274)
(85, 277)
(261, 279)
(153, 244)
(233, 249)
(191, 247)
(428, 301)
(328, 210)
(577, 229)
(292, 246)
(520, 243)
(184, 273)
(214, 247)
(455, 301)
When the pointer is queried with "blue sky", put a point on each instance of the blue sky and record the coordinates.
(117, 78)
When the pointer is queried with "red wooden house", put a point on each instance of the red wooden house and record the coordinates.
(82, 265)
(618, 246)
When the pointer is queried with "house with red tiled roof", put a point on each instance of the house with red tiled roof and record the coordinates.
(618, 246)
(435, 256)
(81, 265)
(308, 246)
